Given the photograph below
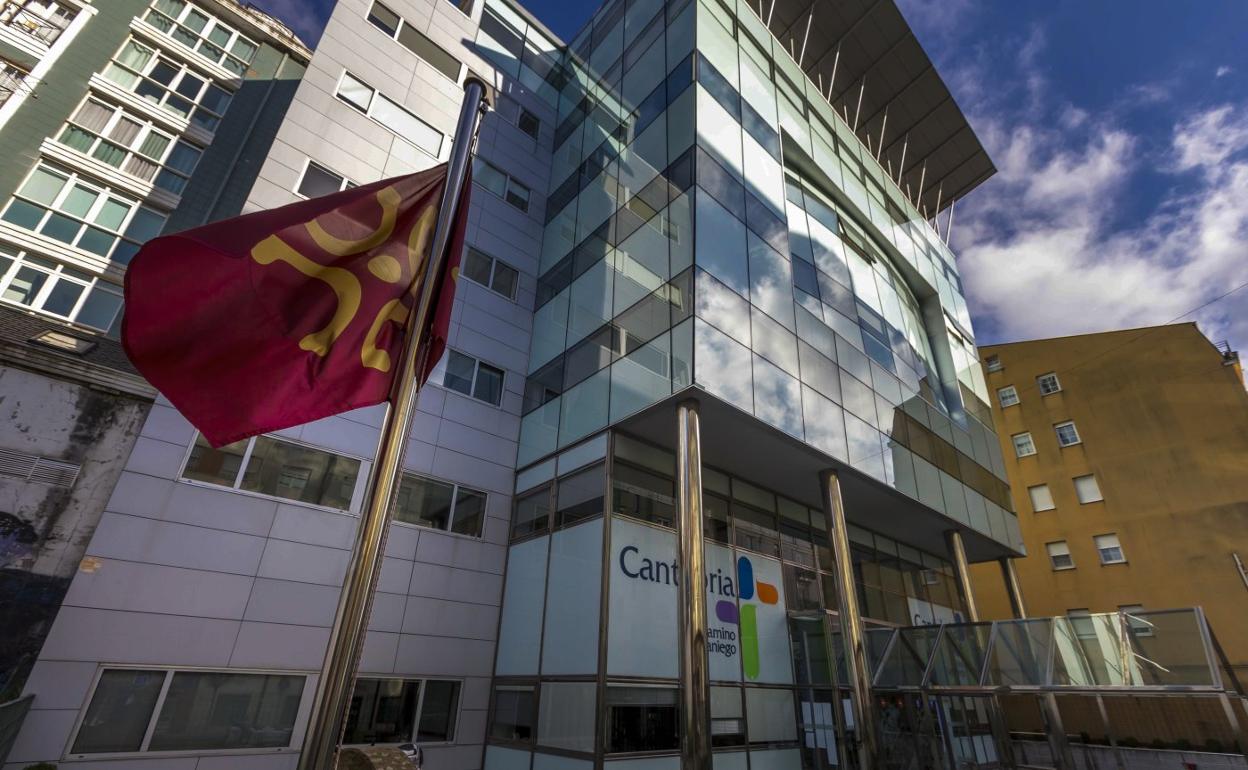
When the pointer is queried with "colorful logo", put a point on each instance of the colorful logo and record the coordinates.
(747, 617)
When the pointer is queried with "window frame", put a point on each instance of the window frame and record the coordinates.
(345, 184)
(993, 363)
(57, 273)
(158, 55)
(296, 736)
(521, 112)
(1100, 496)
(147, 127)
(356, 492)
(508, 182)
(1030, 440)
(1040, 380)
(369, 112)
(420, 708)
(1048, 549)
(104, 193)
(494, 263)
(1100, 551)
(398, 33)
(1012, 392)
(476, 371)
(455, 489)
(1057, 429)
(227, 54)
(1048, 491)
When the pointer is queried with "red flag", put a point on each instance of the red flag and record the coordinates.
(285, 316)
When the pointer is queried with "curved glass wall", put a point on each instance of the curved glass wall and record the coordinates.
(710, 221)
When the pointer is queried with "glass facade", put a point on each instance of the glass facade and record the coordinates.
(712, 223)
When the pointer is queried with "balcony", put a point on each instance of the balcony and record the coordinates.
(12, 80)
(41, 20)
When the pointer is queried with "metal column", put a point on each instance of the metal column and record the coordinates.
(1010, 576)
(1063, 759)
(851, 622)
(695, 692)
(958, 552)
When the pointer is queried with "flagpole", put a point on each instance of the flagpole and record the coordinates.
(334, 687)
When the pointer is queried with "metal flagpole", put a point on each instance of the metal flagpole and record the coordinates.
(333, 690)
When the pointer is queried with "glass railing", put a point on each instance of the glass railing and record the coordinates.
(1165, 650)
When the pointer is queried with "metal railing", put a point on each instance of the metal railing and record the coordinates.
(12, 714)
(12, 80)
(44, 20)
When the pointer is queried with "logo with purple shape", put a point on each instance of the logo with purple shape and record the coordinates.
(746, 618)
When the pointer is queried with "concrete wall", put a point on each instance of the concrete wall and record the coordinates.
(45, 527)
(1164, 426)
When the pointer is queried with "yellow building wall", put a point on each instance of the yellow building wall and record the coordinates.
(1163, 420)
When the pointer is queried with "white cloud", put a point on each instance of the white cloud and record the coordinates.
(1223, 71)
(1043, 247)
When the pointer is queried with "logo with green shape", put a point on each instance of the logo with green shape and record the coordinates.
(749, 591)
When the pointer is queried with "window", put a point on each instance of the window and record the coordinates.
(993, 363)
(278, 468)
(1138, 625)
(203, 34)
(168, 84)
(131, 144)
(1008, 396)
(473, 378)
(642, 718)
(491, 273)
(63, 206)
(580, 495)
(402, 711)
(532, 513)
(318, 180)
(44, 20)
(1081, 623)
(528, 123)
(410, 38)
(512, 717)
(1023, 445)
(440, 505)
(500, 183)
(1087, 489)
(56, 289)
(463, 5)
(565, 715)
(12, 80)
(1048, 383)
(1109, 549)
(389, 113)
(1066, 434)
(1059, 555)
(1041, 498)
(200, 710)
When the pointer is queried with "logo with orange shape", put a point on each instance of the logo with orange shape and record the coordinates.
(746, 618)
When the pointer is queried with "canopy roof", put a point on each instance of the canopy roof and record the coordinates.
(903, 98)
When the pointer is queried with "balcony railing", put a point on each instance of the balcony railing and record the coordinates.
(43, 20)
(12, 80)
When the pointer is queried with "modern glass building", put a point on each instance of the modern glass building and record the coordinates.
(694, 204)
(716, 230)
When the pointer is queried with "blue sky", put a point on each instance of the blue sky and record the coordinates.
(1120, 134)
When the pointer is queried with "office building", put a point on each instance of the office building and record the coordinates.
(685, 201)
(1126, 453)
(118, 120)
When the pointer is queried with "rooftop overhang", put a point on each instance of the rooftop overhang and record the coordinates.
(742, 445)
(904, 102)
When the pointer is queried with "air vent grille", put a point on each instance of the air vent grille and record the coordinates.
(41, 470)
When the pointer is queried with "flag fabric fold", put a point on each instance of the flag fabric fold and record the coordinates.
(284, 316)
